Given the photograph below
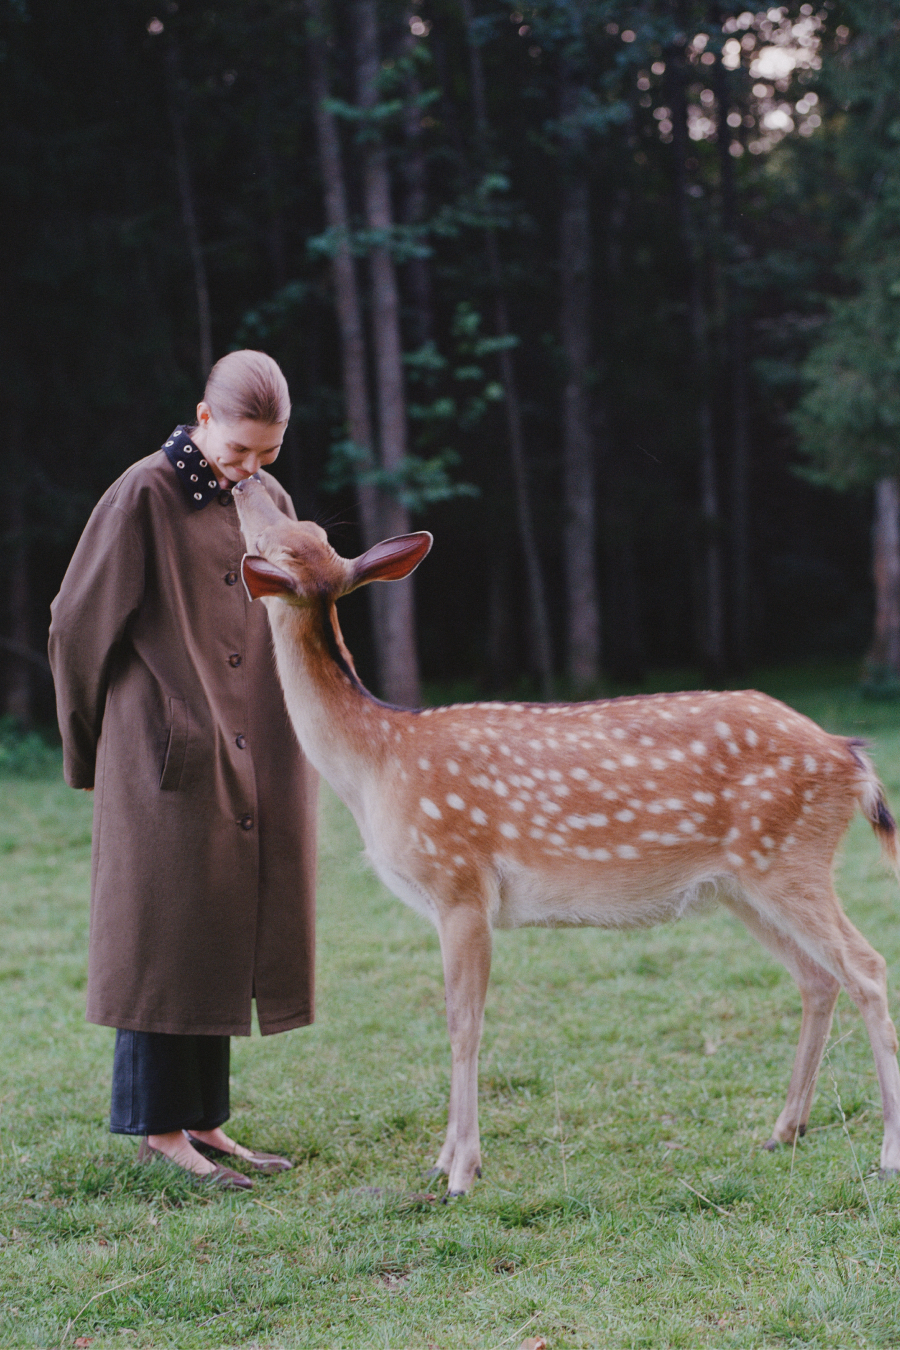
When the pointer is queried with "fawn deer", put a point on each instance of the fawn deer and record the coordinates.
(617, 813)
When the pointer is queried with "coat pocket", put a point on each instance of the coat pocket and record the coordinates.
(176, 746)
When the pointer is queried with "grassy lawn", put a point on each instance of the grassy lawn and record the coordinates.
(628, 1081)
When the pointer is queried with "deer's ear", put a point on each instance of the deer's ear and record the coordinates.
(392, 559)
(262, 578)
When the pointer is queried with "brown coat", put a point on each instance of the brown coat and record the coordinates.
(204, 818)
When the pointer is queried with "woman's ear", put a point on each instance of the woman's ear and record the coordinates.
(204, 413)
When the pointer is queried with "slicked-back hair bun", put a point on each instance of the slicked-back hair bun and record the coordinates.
(249, 385)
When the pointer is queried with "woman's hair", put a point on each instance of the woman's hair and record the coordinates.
(248, 385)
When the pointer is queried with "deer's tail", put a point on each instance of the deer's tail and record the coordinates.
(873, 804)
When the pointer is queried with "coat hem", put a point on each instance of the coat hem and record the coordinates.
(168, 1028)
(300, 1019)
(268, 1027)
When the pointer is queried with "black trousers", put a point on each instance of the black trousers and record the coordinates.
(163, 1083)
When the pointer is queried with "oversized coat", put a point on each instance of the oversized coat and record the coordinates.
(204, 817)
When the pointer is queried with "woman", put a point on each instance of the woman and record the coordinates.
(204, 821)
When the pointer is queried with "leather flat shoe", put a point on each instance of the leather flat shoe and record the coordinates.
(268, 1163)
(223, 1178)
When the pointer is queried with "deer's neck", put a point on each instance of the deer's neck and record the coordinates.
(343, 729)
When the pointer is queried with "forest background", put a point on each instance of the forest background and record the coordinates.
(605, 295)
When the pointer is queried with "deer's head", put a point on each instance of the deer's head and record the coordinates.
(294, 560)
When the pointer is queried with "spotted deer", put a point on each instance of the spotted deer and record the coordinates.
(617, 813)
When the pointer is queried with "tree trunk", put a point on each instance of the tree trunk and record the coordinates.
(188, 208)
(884, 658)
(740, 397)
(541, 645)
(579, 450)
(712, 627)
(349, 315)
(18, 695)
(415, 203)
(400, 673)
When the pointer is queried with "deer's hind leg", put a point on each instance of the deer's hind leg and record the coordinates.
(818, 993)
(818, 925)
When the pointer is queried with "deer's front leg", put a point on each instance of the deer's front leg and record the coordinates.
(465, 935)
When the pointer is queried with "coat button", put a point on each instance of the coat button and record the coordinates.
(234, 659)
(225, 498)
(231, 578)
(246, 822)
(241, 743)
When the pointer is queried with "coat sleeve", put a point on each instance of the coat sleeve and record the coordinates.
(101, 590)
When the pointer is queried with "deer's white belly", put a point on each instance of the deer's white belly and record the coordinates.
(530, 897)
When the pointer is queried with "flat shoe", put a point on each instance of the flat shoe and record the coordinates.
(223, 1178)
(267, 1163)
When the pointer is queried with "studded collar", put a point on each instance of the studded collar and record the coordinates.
(194, 472)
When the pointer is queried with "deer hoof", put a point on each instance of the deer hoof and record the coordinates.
(888, 1173)
(771, 1145)
(434, 1172)
(452, 1195)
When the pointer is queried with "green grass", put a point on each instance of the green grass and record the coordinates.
(628, 1081)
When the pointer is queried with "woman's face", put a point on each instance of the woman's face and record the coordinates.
(236, 449)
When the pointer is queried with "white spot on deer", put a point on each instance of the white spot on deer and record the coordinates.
(517, 805)
(754, 823)
(429, 808)
(455, 801)
(629, 761)
(723, 730)
(598, 820)
(508, 830)
(698, 748)
(808, 794)
(733, 833)
(767, 841)
(676, 754)
(459, 860)
(810, 764)
(478, 816)
(727, 794)
(536, 834)
(789, 841)
(618, 733)
(669, 839)
(786, 762)
(500, 788)
(452, 767)
(762, 862)
(555, 839)
(625, 816)
(673, 804)
(705, 798)
(765, 796)
(505, 750)
(539, 820)
(655, 808)
(687, 827)
(749, 781)
(424, 764)
(649, 836)
(627, 851)
(735, 859)
(608, 764)
(580, 775)
(538, 774)
(657, 763)
(751, 737)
